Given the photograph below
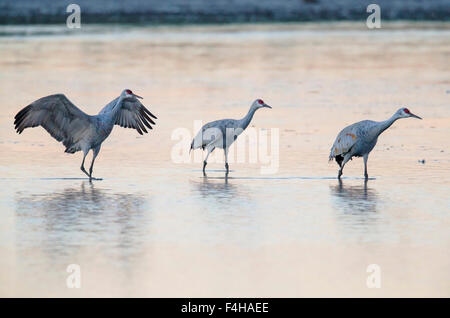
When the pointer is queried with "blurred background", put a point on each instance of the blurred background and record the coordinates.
(154, 227)
(218, 11)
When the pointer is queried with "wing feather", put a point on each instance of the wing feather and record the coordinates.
(57, 115)
(345, 140)
(210, 133)
(135, 115)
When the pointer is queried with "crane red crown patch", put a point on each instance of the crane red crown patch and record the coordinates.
(128, 91)
(260, 101)
(406, 110)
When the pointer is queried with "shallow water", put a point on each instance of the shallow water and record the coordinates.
(154, 227)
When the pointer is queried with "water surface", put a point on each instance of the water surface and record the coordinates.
(153, 227)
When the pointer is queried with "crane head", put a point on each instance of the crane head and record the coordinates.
(406, 113)
(259, 103)
(128, 93)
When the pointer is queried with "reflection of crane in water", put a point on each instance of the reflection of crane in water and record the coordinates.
(217, 189)
(355, 198)
(78, 131)
(359, 139)
(63, 220)
(356, 214)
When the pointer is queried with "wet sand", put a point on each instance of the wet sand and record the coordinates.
(153, 227)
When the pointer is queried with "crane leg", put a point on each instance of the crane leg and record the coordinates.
(365, 157)
(96, 151)
(82, 164)
(204, 166)
(346, 159)
(226, 160)
(205, 162)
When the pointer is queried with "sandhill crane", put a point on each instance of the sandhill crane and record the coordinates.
(79, 131)
(222, 133)
(359, 139)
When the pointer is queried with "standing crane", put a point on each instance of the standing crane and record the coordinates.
(222, 133)
(358, 140)
(79, 131)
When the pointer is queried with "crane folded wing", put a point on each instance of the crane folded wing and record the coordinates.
(209, 134)
(343, 143)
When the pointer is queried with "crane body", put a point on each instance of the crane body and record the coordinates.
(79, 131)
(359, 139)
(222, 133)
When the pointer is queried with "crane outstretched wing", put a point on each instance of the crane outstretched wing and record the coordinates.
(135, 115)
(56, 114)
(344, 142)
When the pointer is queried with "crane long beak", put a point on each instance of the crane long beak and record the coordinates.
(265, 105)
(137, 96)
(415, 116)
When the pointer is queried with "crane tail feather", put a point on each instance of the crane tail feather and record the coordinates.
(339, 159)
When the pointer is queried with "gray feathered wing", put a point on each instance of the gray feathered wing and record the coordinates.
(345, 140)
(56, 114)
(134, 115)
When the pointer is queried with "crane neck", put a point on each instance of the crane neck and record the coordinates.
(244, 122)
(387, 123)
